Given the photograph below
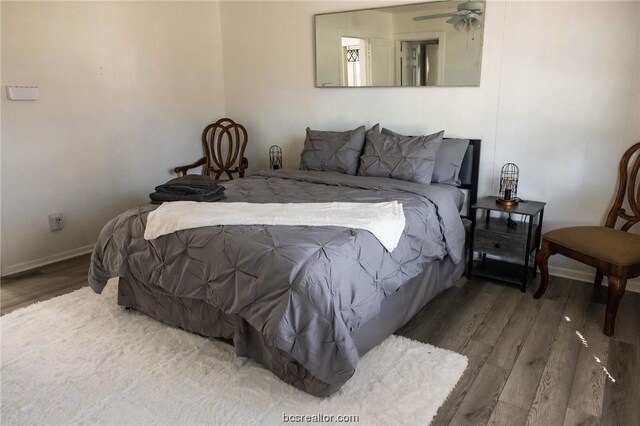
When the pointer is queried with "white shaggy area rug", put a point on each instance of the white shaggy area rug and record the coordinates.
(80, 358)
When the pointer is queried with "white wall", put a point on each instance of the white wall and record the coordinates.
(125, 90)
(570, 107)
(558, 95)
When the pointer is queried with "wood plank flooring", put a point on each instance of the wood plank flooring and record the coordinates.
(43, 283)
(527, 364)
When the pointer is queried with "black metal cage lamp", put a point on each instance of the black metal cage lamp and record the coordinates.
(508, 194)
(275, 157)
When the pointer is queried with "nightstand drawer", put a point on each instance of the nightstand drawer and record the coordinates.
(498, 244)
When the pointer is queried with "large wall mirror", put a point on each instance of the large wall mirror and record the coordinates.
(427, 44)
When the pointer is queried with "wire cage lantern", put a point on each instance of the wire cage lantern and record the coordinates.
(508, 194)
(275, 157)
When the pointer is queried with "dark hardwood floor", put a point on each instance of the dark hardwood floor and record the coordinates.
(527, 364)
(19, 290)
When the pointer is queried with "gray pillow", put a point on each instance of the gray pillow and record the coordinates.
(404, 158)
(332, 151)
(448, 160)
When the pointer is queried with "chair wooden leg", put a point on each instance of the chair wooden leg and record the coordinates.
(616, 290)
(541, 260)
(598, 280)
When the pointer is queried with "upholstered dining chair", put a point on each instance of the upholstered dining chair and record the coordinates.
(615, 253)
(223, 143)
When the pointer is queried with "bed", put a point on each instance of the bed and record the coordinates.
(305, 302)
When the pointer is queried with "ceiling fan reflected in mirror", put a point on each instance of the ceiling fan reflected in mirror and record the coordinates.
(467, 17)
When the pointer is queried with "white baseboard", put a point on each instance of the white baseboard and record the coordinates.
(632, 285)
(36, 263)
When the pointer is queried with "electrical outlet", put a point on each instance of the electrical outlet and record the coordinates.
(56, 222)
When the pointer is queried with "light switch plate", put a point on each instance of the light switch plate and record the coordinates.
(23, 93)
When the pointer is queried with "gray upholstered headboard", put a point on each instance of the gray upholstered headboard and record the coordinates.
(469, 172)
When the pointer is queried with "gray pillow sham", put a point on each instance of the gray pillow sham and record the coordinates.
(332, 151)
(400, 157)
(448, 160)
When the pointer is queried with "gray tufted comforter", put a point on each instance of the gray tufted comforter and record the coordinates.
(302, 288)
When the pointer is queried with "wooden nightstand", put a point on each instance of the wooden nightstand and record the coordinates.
(494, 237)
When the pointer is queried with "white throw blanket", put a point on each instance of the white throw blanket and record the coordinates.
(384, 220)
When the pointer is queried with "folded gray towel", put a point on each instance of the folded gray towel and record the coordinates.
(188, 188)
(188, 184)
(161, 197)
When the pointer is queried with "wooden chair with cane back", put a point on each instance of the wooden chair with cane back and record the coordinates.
(223, 143)
(615, 253)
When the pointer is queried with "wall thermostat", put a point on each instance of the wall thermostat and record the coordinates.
(23, 93)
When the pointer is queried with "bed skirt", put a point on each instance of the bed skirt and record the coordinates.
(202, 318)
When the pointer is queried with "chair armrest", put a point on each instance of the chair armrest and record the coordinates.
(244, 164)
(184, 169)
